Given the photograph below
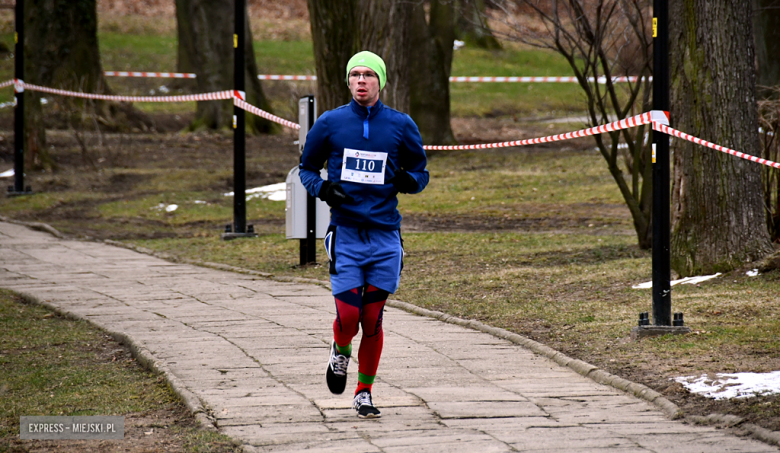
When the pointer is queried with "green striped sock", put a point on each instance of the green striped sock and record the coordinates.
(366, 379)
(344, 350)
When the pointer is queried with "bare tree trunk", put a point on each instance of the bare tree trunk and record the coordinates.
(333, 31)
(718, 218)
(431, 65)
(61, 51)
(341, 28)
(766, 22)
(472, 27)
(185, 45)
(205, 30)
(384, 27)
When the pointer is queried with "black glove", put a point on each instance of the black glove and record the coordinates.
(403, 182)
(333, 194)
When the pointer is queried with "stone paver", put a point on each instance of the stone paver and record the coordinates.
(253, 352)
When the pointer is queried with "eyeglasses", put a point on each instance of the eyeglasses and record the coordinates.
(366, 75)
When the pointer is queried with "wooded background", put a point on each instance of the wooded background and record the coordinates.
(723, 208)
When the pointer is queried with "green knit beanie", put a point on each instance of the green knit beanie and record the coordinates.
(371, 61)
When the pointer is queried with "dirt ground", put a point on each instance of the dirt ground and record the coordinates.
(164, 148)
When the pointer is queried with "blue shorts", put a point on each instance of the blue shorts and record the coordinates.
(360, 256)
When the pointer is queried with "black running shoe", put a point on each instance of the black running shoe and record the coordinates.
(364, 406)
(336, 376)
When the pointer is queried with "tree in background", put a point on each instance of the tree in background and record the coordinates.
(430, 68)
(718, 217)
(766, 31)
(333, 30)
(471, 26)
(61, 51)
(601, 39)
(205, 31)
(418, 54)
(384, 27)
(769, 120)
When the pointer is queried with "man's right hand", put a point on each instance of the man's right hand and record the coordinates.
(333, 194)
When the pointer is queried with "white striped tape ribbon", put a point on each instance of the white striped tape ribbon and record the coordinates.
(286, 77)
(504, 79)
(673, 132)
(227, 94)
(659, 120)
(263, 114)
(634, 121)
(166, 75)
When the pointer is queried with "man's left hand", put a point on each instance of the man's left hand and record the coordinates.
(403, 182)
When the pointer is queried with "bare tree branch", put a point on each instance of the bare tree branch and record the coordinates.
(601, 40)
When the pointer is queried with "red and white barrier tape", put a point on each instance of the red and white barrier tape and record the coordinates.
(673, 132)
(165, 75)
(477, 79)
(601, 80)
(286, 77)
(659, 120)
(505, 79)
(263, 114)
(227, 94)
(634, 121)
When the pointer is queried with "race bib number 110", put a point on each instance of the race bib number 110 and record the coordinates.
(365, 167)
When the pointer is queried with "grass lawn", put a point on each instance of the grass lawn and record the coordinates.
(57, 366)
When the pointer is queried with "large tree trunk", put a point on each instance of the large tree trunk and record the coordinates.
(333, 31)
(205, 30)
(185, 45)
(384, 27)
(431, 64)
(766, 22)
(341, 28)
(472, 26)
(61, 51)
(718, 219)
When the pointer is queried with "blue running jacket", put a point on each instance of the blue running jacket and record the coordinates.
(363, 147)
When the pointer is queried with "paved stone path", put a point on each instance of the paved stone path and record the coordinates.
(251, 353)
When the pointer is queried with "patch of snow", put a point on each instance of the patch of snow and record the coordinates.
(732, 385)
(752, 273)
(199, 202)
(683, 281)
(7, 174)
(457, 44)
(166, 207)
(273, 192)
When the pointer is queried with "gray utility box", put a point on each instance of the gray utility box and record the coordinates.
(295, 208)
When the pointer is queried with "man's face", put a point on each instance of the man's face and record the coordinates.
(364, 85)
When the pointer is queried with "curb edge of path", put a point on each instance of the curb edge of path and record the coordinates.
(193, 403)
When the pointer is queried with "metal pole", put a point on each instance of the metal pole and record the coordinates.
(311, 205)
(662, 294)
(239, 124)
(18, 187)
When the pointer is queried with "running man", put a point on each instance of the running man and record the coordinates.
(372, 153)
